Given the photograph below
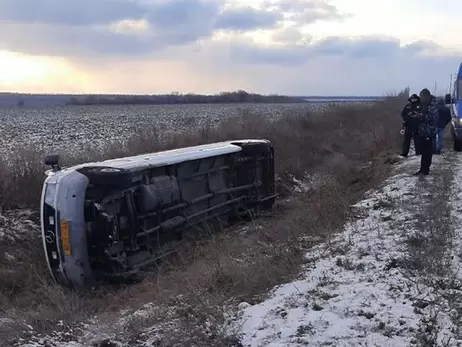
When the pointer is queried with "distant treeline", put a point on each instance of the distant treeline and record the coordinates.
(239, 96)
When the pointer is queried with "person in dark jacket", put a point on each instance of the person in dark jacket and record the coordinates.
(427, 129)
(409, 115)
(444, 118)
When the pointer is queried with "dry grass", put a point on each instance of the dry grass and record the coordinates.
(197, 283)
(337, 138)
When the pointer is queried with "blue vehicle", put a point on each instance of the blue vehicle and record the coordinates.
(454, 101)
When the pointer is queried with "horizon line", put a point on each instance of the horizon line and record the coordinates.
(186, 93)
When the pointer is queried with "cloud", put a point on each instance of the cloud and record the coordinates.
(288, 69)
(71, 41)
(185, 17)
(300, 50)
(134, 28)
(214, 69)
(306, 11)
(104, 27)
(248, 19)
(368, 65)
(164, 12)
(427, 47)
(200, 46)
(359, 48)
(81, 12)
(290, 35)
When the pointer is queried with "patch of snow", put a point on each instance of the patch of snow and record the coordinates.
(17, 225)
(144, 312)
(6, 322)
(309, 182)
(456, 213)
(351, 294)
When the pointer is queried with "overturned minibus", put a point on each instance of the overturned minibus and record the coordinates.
(110, 219)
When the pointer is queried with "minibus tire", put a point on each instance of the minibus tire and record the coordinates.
(108, 176)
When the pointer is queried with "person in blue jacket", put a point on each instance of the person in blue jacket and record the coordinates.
(444, 118)
(427, 130)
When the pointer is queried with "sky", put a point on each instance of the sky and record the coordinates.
(291, 47)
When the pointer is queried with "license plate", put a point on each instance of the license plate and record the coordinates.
(65, 237)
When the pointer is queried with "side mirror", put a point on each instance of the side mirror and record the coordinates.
(447, 99)
(53, 161)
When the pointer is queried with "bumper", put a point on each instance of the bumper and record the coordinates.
(63, 229)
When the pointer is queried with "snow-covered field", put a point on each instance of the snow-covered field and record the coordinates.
(390, 278)
(73, 128)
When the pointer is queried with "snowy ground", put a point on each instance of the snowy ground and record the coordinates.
(359, 289)
(391, 278)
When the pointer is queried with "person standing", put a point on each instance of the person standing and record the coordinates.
(409, 116)
(444, 118)
(426, 130)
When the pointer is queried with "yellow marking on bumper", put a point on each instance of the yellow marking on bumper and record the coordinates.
(65, 237)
